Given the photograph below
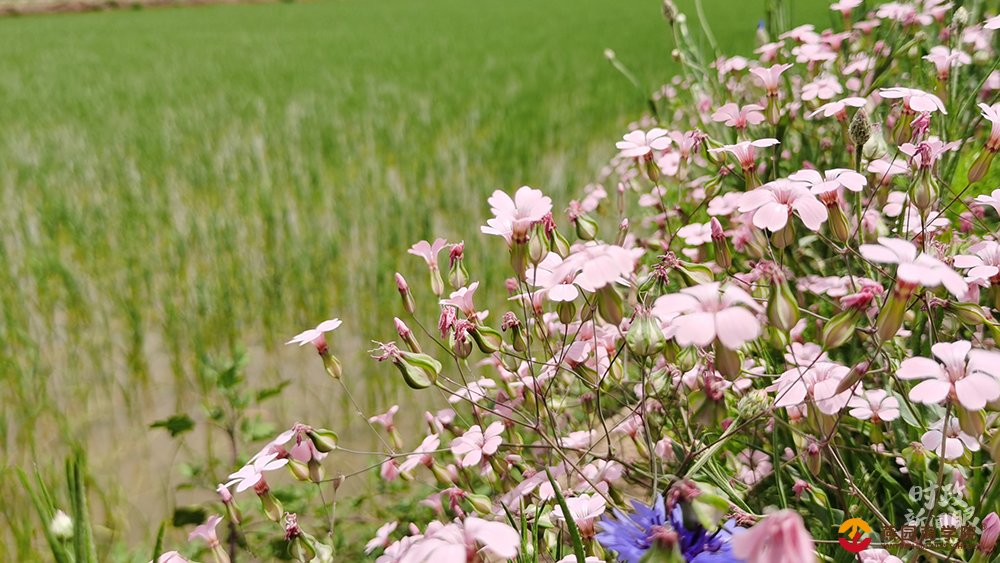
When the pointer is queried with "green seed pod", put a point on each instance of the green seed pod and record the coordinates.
(840, 328)
(487, 339)
(324, 440)
(586, 227)
(782, 308)
(644, 337)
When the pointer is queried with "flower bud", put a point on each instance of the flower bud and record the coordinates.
(981, 165)
(404, 292)
(727, 361)
(838, 330)
(723, 257)
(991, 532)
(890, 318)
(558, 243)
(961, 17)
(785, 237)
(480, 503)
(782, 308)
(861, 128)
(298, 469)
(924, 191)
(838, 223)
(538, 247)
(437, 283)
(972, 423)
(324, 440)
(622, 232)
(586, 227)
(272, 506)
(488, 339)
(694, 274)
(332, 365)
(458, 276)
(853, 377)
(406, 335)
(969, 314)
(644, 337)
(753, 404)
(609, 304)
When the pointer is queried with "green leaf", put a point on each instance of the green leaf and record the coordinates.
(574, 533)
(269, 392)
(176, 425)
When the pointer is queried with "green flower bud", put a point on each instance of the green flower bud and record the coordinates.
(861, 128)
(727, 361)
(558, 243)
(332, 365)
(838, 330)
(890, 318)
(324, 440)
(566, 311)
(644, 337)
(609, 304)
(272, 506)
(981, 165)
(838, 223)
(782, 308)
(538, 247)
(753, 404)
(969, 314)
(972, 423)
(586, 228)
(404, 292)
(480, 503)
(298, 469)
(785, 237)
(487, 339)
(924, 191)
(694, 274)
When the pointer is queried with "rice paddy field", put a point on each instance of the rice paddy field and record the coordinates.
(183, 186)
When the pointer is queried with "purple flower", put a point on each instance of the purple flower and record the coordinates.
(631, 535)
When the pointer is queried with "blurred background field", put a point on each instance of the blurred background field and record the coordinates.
(181, 184)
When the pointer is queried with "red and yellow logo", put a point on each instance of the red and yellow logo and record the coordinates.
(855, 529)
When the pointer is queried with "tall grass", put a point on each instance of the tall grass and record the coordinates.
(177, 184)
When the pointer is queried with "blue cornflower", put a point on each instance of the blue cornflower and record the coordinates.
(631, 535)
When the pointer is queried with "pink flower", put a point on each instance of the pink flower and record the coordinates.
(992, 23)
(640, 143)
(252, 474)
(773, 203)
(944, 59)
(429, 251)
(991, 524)
(984, 262)
(878, 556)
(964, 375)
(753, 466)
(421, 455)
(830, 180)
(315, 335)
(823, 88)
(171, 557)
(470, 448)
(839, 107)
(781, 537)
(735, 116)
(461, 299)
(885, 170)
(925, 153)
(596, 265)
(544, 276)
(206, 531)
(385, 419)
(815, 384)
(914, 100)
(696, 234)
(845, 6)
(992, 200)
(381, 539)
(744, 151)
(706, 313)
(584, 509)
(446, 543)
(770, 77)
(813, 53)
(915, 268)
(954, 439)
(876, 405)
(514, 217)
(992, 114)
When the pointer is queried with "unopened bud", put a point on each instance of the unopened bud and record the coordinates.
(723, 257)
(972, 423)
(782, 308)
(298, 469)
(856, 374)
(458, 276)
(861, 128)
(324, 440)
(969, 314)
(609, 304)
(924, 191)
(644, 337)
(586, 228)
(838, 330)
(558, 243)
(406, 335)
(404, 292)
(753, 404)
(480, 503)
(487, 339)
(538, 247)
(61, 525)
(727, 361)
(981, 165)
(961, 17)
(670, 11)
(991, 532)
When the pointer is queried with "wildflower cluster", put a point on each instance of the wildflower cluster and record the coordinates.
(790, 324)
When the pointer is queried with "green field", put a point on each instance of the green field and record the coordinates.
(181, 183)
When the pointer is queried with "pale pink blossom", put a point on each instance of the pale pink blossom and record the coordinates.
(381, 539)
(596, 265)
(171, 557)
(584, 509)
(385, 419)
(706, 312)
(696, 234)
(315, 335)
(962, 374)
(992, 200)
(421, 455)
(983, 263)
(753, 466)
(839, 108)
(944, 59)
(925, 153)
(724, 204)
(206, 531)
(875, 405)
(739, 117)
(474, 392)
(992, 23)
(877, 556)
(805, 33)
(745, 152)
(992, 114)
(816, 384)
(954, 440)
(513, 217)
(769, 51)
(814, 53)
(833, 179)
(915, 268)
(545, 277)
(475, 445)
(429, 251)
(453, 542)
(637, 144)
(462, 299)
(252, 474)
(781, 537)
(845, 7)
(823, 88)
(914, 100)
(885, 170)
(773, 203)
(770, 77)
